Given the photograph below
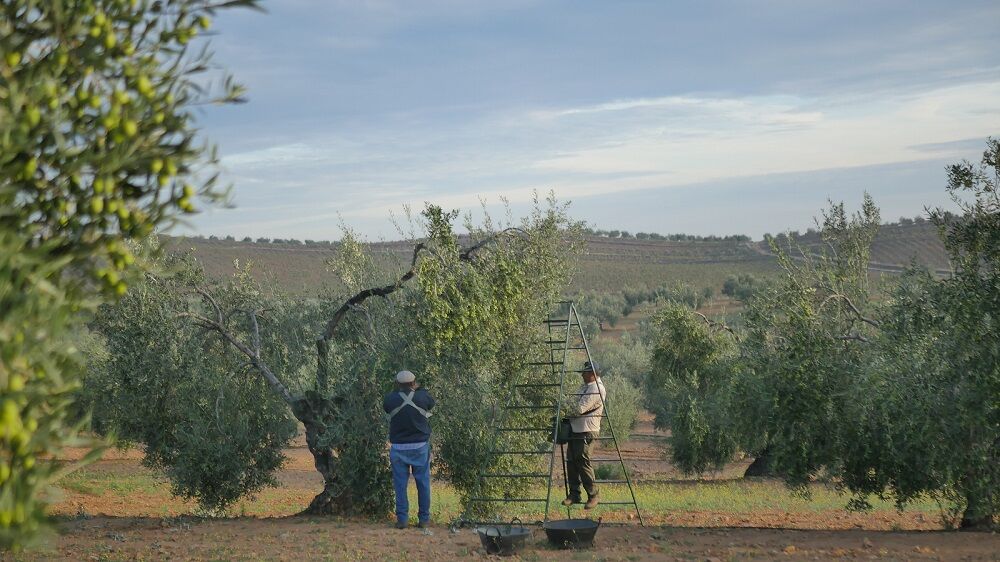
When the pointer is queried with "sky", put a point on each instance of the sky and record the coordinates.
(701, 117)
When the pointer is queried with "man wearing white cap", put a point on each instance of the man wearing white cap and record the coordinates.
(408, 410)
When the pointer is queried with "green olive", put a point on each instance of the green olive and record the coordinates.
(34, 115)
(130, 127)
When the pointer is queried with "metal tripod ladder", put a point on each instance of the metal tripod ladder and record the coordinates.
(544, 393)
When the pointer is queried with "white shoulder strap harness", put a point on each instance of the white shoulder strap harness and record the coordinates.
(408, 400)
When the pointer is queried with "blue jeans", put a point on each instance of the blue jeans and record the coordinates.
(419, 462)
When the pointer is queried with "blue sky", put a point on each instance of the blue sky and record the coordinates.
(701, 117)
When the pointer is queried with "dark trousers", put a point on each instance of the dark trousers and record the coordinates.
(578, 468)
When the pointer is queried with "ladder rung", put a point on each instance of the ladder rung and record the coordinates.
(524, 429)
(536, 385)
(555, 341)
(563, 322)
(612, 459)
(521, 452)
(549, 407)
(546, 363)
(611, 481)
(571, 349)
(517, 475)
(619, 503)
(508, 500)
(582, 394)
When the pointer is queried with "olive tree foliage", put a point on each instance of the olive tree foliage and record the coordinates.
(937, 365)
(624, 365)
(690, 386)
(623, 402)
(97, 140)
(217, 432)
(461, 313)
(779, 388)
(804, 349)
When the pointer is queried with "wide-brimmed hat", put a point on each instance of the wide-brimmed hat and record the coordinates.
(591, 367)
(404, 377)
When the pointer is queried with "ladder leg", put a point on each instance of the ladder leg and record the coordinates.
(611, 428)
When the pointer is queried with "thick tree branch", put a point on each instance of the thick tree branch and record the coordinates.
(386, 290)
(714, 324)
(854, 309)
(853, 337)
(338, 315)
(253, 355)
(256, 333)
(467, 253)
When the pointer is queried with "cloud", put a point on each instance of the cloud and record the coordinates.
(358, 108)
(617, 147)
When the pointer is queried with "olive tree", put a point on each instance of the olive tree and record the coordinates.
(780, 388)
(936, 366)
(187, 399)
(690, 386)
(97, 142)
(462, 314)
(803, 347)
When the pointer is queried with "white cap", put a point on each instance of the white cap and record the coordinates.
(404, 377)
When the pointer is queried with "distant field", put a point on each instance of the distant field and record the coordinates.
(899, 245)
(607, 264)
(602, 275)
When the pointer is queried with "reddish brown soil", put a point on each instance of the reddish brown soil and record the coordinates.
(144, 525)
(299, 538)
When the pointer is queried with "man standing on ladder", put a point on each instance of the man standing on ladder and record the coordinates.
(585, 411)
(408, 410)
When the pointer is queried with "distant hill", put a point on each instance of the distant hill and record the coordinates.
(608, 263)
(897, 246)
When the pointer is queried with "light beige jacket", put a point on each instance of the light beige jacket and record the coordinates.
(588, 399)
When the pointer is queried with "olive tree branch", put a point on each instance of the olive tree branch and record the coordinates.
(853, 337)
(253, 354)
(717, 325)
(854, 309)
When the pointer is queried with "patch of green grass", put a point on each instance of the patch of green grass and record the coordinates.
(731, 497)
(655, 499)
(100, 482)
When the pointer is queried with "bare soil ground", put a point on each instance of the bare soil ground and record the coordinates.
(300, 538)
(119, 510)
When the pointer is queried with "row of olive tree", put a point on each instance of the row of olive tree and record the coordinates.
(893, 396)
(97, 138)
(210, 377)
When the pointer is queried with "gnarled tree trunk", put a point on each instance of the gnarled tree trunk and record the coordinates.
(761, 466)
(313, 412)
(977, 516)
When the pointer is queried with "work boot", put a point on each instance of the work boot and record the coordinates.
(424, 524)
(592, 502)
(570, 501)
(400, 524)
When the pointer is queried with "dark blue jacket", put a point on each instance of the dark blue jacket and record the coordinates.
(408, 425)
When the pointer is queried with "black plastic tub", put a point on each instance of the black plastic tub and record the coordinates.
(571, 533)
(504, 540)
